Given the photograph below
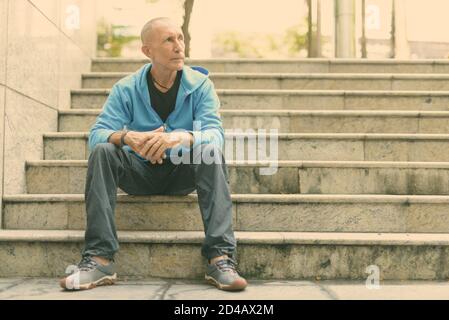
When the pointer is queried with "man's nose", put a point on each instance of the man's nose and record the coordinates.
(179, 46)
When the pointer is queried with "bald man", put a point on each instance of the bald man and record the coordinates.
(156, 135)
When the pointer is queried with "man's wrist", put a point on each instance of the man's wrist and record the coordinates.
(192, 138)
(188, 137)
(184, 138)
(122, 138)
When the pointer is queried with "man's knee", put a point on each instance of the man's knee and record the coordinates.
(103, 150)
(210, 154)
(212, 161)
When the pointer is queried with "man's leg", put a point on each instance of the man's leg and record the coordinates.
(209, 176)
(109, 167)
(210, 179)
(214, 199)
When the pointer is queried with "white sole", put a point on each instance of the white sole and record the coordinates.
(220, 286)
(105, 281)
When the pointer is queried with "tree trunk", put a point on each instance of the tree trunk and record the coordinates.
(318, 29)
(393, 31)
(364, 53)
(310, 46)
(188, 6)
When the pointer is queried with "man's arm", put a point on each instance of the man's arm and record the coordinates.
(207, 126)
(155, 144)
(114, 116)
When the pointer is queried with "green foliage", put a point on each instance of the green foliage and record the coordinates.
(292, 43)
(237, 45)
(296, 38)
(112, 39)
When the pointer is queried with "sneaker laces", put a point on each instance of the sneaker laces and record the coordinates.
(87, 264)
(227, 265)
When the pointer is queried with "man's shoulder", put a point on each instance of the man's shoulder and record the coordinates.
(128, 81)
(132, 81)
(194, 78)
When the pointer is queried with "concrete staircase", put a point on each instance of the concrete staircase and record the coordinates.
(363, 178)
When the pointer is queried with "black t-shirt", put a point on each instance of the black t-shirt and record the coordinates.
(163, 102)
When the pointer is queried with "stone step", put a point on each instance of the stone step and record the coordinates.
(291, 177)
(261, 255)
(301, 121)
(301, 99)
(288, 65)
(296, 81)
(255, 213)
(294, 146)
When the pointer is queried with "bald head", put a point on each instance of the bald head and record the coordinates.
(147, 29)
(163, 43)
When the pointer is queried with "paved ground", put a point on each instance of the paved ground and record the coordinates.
(162, 289)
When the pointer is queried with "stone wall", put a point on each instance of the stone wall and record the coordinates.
(44, 47)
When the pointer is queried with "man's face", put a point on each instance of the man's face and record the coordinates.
(166, 46)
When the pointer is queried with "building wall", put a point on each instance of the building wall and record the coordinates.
(44, 47)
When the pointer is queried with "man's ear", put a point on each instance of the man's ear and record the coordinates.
(146, 50)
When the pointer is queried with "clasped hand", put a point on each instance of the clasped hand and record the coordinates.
(152, 145)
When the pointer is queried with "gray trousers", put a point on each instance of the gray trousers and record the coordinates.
(110, 167)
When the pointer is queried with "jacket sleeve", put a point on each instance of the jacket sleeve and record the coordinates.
(207, 124)
(114, 116)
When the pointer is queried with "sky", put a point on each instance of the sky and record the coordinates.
(428, 20)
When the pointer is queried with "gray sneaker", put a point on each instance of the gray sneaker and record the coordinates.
(89, 274)
(224, 276)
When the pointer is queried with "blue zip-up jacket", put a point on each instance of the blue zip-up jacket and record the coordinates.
(129, 105)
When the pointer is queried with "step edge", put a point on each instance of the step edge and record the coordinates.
(242, 237)
(304, 60)
(280, 163)
(289, 136)
(243, 198)
(287, 112)
(285, 92)
(292, 75)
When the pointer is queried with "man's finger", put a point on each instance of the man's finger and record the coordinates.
(146, 147)
(149, 135)
(151, 153)
(144, 139)
(159, 152)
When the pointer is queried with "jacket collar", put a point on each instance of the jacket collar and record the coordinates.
(190, 80)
